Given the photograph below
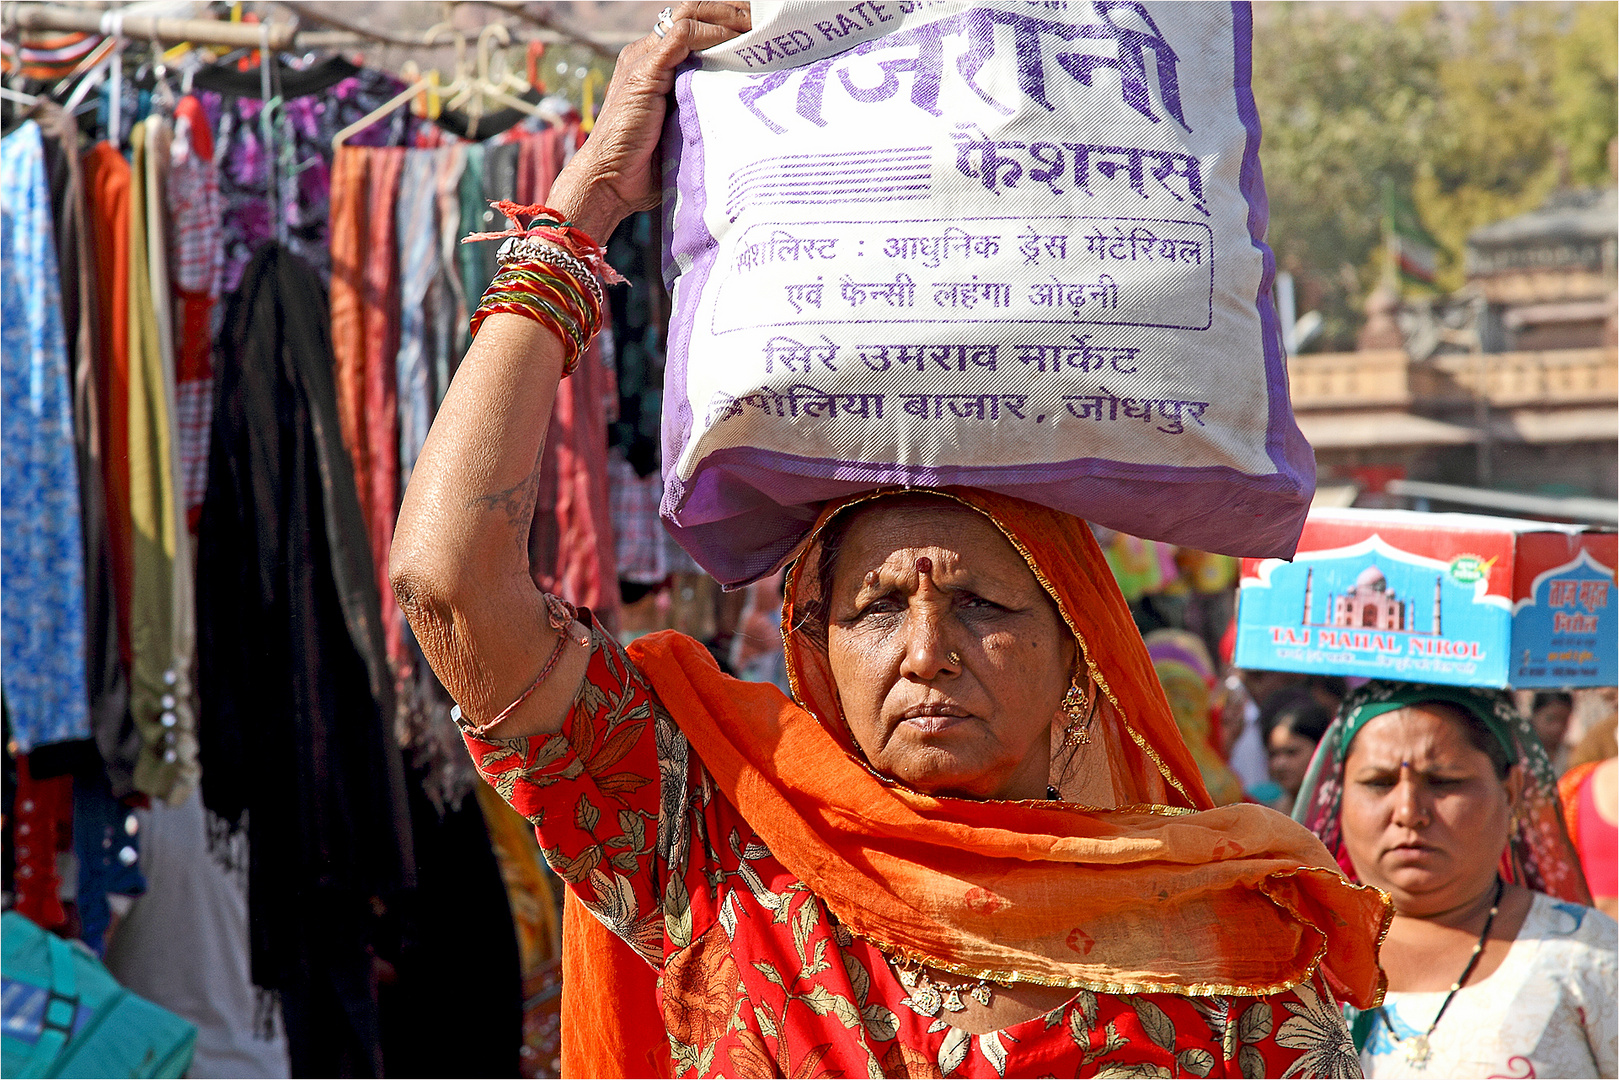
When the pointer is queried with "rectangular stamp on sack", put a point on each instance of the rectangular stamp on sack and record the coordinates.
(1006, 270)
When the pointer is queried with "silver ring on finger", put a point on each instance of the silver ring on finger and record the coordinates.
(665, 23)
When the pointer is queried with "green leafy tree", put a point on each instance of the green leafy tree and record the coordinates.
(1478, 111)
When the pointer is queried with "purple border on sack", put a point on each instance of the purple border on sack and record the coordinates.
(746, 509)
(1285, 444)
(685, 231)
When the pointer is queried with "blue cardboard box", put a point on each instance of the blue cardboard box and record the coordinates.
(1462, 599)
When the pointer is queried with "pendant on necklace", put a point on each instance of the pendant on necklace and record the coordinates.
(1417, 1051)
(929, 998)
(926, 1000)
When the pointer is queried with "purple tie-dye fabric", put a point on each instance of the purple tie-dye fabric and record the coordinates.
(305, 127)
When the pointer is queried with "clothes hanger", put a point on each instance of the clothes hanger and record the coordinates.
(96, 60)
(113, 24)
(163, 97)
(510, 89)
(283, 157)
(409, 93)
(483, 89)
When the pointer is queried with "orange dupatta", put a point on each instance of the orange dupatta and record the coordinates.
(1132, 884)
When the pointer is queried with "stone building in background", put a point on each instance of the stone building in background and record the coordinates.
(1507, 390)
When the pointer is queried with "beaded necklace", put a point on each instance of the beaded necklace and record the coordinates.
(1417, 1048)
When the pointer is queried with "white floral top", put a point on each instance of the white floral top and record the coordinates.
(1549, 1010)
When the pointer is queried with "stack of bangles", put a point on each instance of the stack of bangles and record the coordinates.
(549, 272)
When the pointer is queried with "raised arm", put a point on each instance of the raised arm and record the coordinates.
(459, 563)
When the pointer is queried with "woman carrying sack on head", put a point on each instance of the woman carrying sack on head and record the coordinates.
(972, 843)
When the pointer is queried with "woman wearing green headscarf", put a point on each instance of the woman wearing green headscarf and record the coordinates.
(1443, 798)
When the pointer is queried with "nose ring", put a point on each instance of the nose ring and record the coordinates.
(954, 657)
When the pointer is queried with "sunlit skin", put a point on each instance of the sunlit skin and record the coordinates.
(914, 584)
(1425, 819)
(919, 580)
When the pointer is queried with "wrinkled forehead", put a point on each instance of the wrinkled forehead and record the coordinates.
(1419, 731)
(905, 526)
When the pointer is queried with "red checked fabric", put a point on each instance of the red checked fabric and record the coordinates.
(760, 980)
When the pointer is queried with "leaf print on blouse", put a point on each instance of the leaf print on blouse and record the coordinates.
(1123, 1070)
(902, 1061)
(990, 1044)
(700, 991)
(1316, 1027)
(953, 1051)
(1253, 1026)
(1216, 1012)
(618, 739)
(1155, 1022)
(524, 761)
(615, 905)
(749, 1058)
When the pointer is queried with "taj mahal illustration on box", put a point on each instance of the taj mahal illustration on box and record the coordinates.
(1369, 604)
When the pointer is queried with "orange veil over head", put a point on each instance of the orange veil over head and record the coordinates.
(1132, 883)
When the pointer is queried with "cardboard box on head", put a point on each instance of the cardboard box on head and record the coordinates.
(1445, 598)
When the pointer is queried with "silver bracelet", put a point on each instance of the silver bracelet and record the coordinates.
(521, 249)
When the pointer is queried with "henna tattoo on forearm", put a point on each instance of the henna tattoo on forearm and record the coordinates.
(516, 502)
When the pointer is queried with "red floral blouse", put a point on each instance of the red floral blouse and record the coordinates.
(760, 980)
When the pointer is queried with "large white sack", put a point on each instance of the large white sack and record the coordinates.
(1004, 244)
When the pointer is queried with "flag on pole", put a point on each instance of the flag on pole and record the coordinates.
(1413, 252)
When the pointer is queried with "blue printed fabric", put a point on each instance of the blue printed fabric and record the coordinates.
(417, 222)
(42, 637)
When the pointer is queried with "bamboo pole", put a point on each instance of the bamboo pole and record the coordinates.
(147, 28)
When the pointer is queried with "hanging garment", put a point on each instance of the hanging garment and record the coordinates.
(350, 189)
(571, 548)
(381, 316)
(366, 337)
(636, 529)
(107, 181)
(417, 238)
(162, 612)
(42, 607)
(640, 319)
(458, 884)
(471, 260)
(306, 127)
(195, 213)
(183, 944)
(108, 685)
(106, 841)
(449, 299)
(42, 823)
(297, 697)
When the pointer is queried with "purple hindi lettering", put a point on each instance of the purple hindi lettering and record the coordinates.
(777, 48)
(1092, 406)
(1031, 38)
(794, 355)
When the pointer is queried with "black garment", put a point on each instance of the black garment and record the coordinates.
(640, 322)
(223, 78)
(296, 699)
(454, 930)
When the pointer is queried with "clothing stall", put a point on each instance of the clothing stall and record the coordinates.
(235, 296)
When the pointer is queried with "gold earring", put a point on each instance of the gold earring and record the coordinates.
(1078, 731)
